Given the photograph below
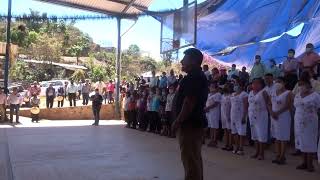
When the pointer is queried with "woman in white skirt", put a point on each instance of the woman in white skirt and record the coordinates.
(282, 102)
(258, 116)
(225, 115)
(239, 112)
(307, 103)
(213, 113)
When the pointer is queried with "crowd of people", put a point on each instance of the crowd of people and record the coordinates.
(271, 104)
(69, 91)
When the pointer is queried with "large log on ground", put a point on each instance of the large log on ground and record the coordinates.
(73, 113)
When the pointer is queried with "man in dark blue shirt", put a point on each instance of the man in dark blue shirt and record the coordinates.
(97, 100)
(191, 99)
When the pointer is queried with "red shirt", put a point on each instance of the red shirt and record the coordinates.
(110, 87)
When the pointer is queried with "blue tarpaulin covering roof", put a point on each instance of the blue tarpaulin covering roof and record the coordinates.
(238, 22)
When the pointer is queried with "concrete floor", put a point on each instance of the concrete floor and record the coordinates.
(64, 150)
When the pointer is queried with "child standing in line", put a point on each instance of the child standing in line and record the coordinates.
(133, 110)
(239, 111)
(163, 101)
(169, 113)
(149, 110)
(142, 109)
(225, 114)
(258, 116)
(126, 108)
(155, 120)
(213, 113)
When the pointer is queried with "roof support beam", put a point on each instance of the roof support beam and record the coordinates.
(127, 3)
(79, 6)
(128, 6)
(98, 10)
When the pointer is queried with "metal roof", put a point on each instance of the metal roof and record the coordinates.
(66, 66)
(110, 7)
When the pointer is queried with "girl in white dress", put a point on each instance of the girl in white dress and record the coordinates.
(282, 102)
(239, 114)
(225, 115)
(213, 113)
(307, 103)
(258, 116)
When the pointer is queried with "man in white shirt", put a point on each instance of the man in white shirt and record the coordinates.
(72, 90)
(14, 101)
(233, 71)
(172, 78)
(153, 80)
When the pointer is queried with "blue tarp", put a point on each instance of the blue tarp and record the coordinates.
(237, 22)
(277, 49)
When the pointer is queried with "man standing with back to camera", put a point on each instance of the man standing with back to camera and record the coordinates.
(191, 99)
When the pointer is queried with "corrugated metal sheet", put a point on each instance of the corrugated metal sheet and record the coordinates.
(111, 7)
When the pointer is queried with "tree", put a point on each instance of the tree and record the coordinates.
(78, 75)
(46, 48)
(133, 50)
(98, 73)
(100, 70)
(18, 72)
(78, 48)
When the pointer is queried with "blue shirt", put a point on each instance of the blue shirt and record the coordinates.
(155, 105)
(163, 82)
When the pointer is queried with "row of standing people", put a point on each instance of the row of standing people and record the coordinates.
(268, 111)
(290, 69)
(73, 92)
(13, 102)
(150, 109)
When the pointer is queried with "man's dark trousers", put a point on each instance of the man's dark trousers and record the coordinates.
(85, 97)
(49, 101)
(190, 140)
(96, 114)
(72, 98)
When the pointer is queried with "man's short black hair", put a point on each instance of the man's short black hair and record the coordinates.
(268, 75)
(258, 56)
(309, 45)
(292, 50)
(196, 54)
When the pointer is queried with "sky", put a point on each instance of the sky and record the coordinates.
(145, 33)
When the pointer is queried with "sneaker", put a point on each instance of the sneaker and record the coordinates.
(310, 169)
(225, 148)
(230, 148)
(282, 161)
